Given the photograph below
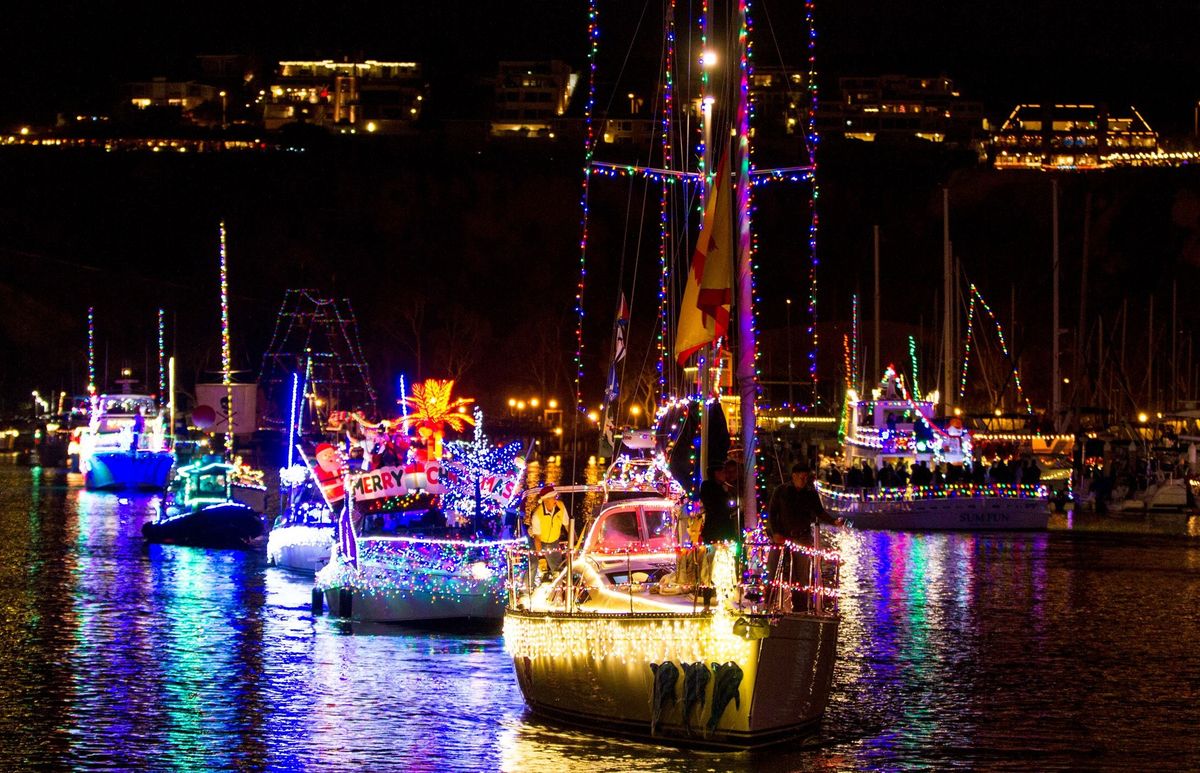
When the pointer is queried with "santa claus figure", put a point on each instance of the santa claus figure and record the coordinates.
(328, 471)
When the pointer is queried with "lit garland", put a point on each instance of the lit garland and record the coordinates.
(293, 419)
(854, 340)
(649, 638)
(226, 357)
(162, 362)
(588, 149)
(811, 128)
(664, 258)
(447, 570)
(748, 353)
(970, 338)
(1004, 347)
(629, 474)
(468, 465)
(91, 387)
(950, 491)
(912, 357)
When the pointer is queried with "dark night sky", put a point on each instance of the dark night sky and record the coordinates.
(998, 51)
(81, 225)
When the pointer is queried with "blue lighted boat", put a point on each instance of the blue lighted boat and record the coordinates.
(200, 510)
(116, 453)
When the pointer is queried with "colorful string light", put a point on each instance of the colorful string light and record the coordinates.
(854, 321)
(813, 139)
(162, 357)
(226, 355)
(967, 344)
(588, 150)
(1004, 347)
(912, 358)
(664, 210)
(91, 386)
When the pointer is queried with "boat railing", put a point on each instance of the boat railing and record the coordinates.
(753, 577)
(934, 491)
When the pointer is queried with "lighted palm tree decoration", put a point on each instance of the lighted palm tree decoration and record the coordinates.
(431, 410)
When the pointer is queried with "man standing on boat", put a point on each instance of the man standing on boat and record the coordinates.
(546, 525)
(793, 515)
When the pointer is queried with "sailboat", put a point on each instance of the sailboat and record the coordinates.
(199, 508)
(645, 631)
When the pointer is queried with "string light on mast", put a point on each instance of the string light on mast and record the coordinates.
(226, 358)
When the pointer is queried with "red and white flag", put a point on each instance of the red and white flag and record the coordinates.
(704, 314)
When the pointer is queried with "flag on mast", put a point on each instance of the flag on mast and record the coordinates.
(704, 314)
(622, 324)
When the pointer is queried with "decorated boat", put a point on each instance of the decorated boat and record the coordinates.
(894, 431)
(645, 631)
(421, 533)
(200, 510)
(625, 641)
(302, 536)
(125, 445)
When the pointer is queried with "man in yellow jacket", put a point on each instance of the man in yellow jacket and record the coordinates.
(547, 525)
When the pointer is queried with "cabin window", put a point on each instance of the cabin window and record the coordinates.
(659, 528)
(619, 529)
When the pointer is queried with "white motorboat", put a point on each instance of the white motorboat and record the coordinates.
(895, 428)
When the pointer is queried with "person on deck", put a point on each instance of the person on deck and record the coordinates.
(719, 525)
(547, 527)
(139, 427)
(794, 512)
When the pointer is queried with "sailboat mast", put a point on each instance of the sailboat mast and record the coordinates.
(747, 378)
(1056, 382)
(226, 359)
(947, 307)
(875, 373)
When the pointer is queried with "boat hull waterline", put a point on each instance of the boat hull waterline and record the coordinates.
(116, 470)
(225, 525)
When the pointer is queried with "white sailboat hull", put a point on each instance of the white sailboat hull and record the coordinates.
(785, 677)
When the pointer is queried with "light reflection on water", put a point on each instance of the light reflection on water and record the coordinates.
(1025, 651)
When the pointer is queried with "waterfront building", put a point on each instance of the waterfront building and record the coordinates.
(1062, 136)
(366, 96)
(531, 98)
(185, 96)
(900, 108)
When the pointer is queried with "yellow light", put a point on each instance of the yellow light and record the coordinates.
(512, 402)
(958, 411)
(558, 430)
(1143, 418)
(997, 411)
(635, 410)
(534, 402)
(24, 131)
(520, 405)
(126, 372)
(593, 416)
(708, 59)
(371, 126)
(553, 404)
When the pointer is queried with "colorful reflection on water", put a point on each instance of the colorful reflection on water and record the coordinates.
(1025, 651)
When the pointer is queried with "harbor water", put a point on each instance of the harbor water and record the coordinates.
(1075, 648)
